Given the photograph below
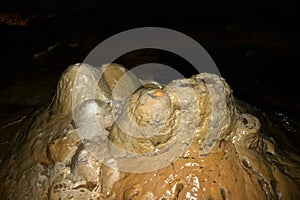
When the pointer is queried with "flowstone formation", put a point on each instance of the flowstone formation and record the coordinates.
(109, 135)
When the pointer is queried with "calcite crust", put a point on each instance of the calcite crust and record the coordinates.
(206, 147)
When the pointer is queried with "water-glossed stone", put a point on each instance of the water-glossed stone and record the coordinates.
(207, 148)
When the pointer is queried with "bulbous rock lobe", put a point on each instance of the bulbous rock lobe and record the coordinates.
(227, 154)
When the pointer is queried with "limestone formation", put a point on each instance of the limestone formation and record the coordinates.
(105, 135)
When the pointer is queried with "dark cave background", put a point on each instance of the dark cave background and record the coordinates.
(255, 45)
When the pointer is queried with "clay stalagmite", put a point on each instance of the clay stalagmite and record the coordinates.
(105, 135)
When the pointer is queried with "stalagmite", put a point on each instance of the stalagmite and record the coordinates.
(105, 135)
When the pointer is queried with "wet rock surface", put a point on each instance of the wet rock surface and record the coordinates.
(47, 157)
(255, 46)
